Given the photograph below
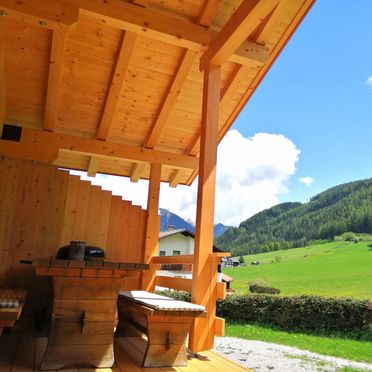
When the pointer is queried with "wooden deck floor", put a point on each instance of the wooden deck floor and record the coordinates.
(23, 353)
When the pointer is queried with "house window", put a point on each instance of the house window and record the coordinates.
(162, 253)
(176, 253)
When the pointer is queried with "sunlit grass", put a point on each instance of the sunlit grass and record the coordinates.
(338, 269)
(342, 347)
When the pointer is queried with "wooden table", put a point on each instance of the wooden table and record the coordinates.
(84, 316)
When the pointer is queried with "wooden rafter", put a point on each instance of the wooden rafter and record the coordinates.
(93, 166)
(170, 96)
(45, 13)
(237, 29)
(208, 12)
(271, 23)
(2, 80)
(185, 63)
(136, 172)
(54, 78)
(36, 145)
(117, 82)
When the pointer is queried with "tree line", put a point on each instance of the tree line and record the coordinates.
(347, 207)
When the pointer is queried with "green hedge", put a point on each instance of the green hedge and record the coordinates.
(311, 313)
(301, 313)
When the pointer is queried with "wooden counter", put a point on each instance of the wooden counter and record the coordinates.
(84, 316)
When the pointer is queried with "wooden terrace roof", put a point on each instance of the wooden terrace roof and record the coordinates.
(111, 86)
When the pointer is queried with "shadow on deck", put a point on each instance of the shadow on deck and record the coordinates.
(24, 353)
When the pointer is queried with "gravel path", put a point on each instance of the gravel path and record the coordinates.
(264, 356)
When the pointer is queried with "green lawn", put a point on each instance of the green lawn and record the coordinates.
(337, 269)
(334, 346)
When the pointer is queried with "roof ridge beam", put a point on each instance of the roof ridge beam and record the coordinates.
(237, 29)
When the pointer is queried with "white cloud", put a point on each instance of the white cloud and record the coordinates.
(308, 181)
(251, 174)
(369, 82)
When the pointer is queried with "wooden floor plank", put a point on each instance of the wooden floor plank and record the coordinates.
(41, 344)
(25, 355)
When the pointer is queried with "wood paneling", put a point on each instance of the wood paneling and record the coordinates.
(43, 208)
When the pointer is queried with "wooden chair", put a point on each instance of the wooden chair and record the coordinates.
(155, 328)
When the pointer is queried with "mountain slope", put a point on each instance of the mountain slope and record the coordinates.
(169, 219)
(346, 207)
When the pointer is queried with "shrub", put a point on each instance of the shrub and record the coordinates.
(262, 289)
(301, 313)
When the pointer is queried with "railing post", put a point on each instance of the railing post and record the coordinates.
(152, 227)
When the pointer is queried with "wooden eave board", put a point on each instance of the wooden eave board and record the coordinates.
(89, 58)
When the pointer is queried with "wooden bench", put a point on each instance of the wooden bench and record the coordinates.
(155, 328)
(11, 305)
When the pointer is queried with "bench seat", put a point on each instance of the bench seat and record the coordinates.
(11, 305)
(160, 322)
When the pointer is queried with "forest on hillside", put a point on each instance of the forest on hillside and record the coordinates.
(347, 207)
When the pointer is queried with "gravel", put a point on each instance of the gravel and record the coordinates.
(264, 356)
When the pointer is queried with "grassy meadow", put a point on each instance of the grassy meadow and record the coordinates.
(341, 346)
(336, 269)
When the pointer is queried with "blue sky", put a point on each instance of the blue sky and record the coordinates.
(316, 95)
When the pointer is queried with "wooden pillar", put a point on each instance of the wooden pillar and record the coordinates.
(204, 283)
(152, 227)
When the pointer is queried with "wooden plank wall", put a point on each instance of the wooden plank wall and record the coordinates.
(43, 208)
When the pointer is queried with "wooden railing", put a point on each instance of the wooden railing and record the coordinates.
(184, 284)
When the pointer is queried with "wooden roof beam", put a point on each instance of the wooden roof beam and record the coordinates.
(54, 78)
(36, 144)
(117, 82)
(237, 29)
(158, 26)
(44, 13)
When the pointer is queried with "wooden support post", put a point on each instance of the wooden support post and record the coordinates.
(204, 286)
(152, 227)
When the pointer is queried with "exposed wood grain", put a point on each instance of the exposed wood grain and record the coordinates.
(243, 22)
(136, 172)
(2, 80)
(93, 166)
(116, 85)
(204, 285)
(54, 79)
(170, 96)
(208, 12)
(39, 146)
(50, 14)
(152, 227)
